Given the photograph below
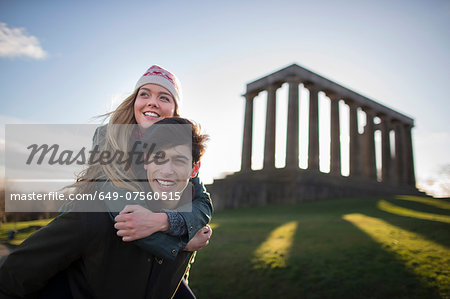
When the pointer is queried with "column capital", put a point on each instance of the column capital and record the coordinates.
(350, 102)
(385, 117)
(369, 111)
(408, 126)
(293, 80)
(332, 95)
(273, 86)
(396, 122)
(386, 122)
(250, 96)
(311, 86)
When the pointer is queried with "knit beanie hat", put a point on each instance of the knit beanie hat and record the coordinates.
(157, 75)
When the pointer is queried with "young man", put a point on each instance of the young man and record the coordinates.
(87, 250)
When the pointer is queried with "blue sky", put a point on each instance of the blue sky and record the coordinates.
(395, 52)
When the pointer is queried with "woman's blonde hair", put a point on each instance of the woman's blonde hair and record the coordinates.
(117, 139)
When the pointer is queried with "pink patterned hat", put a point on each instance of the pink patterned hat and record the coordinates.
(157, 75)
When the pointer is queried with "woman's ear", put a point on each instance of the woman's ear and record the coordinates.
(195, 169)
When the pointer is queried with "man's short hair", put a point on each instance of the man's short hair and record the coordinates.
(173, 131)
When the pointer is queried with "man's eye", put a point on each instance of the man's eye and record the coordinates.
(180, 161)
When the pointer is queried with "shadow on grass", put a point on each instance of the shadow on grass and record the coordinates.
(435, 231)
(225, 266)
(329, 258)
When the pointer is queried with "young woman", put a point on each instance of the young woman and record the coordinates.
(157, 95)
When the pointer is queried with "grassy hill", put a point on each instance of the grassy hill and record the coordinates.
(343, 248)
(23, 228)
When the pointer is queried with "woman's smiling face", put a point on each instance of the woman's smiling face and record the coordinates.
(153, 103)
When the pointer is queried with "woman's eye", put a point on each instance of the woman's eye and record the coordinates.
(165, 99)
(143, 94)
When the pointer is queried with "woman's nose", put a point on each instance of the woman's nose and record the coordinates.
(152, 101)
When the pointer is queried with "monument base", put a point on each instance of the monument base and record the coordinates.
(290, 186)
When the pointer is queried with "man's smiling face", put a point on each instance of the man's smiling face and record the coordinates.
(172, 175)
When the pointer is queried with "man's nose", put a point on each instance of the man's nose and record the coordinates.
(167, 168)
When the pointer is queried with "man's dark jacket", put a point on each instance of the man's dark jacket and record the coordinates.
(98, 263)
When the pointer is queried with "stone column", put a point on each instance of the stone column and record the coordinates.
(370, 169)
(410, 176)
(313, 147)
(335, 146)
(399, 153)
(292, 126)
(386, 160)
(269, 141)
(355, 153)
(246, 162)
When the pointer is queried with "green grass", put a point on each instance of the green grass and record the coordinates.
(343, 248)
(23, 228)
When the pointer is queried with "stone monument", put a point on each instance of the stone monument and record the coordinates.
(292, 184)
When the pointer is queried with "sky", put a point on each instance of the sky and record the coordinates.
(65, 62)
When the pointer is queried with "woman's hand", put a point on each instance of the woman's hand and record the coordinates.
(136, 222)
(200, 240)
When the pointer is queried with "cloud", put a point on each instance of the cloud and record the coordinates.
(15, 42)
